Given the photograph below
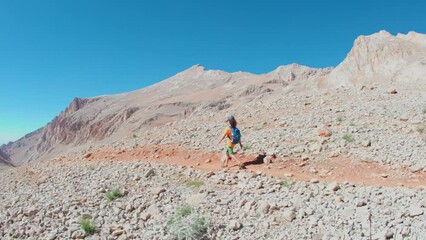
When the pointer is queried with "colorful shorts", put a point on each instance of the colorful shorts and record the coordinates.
(230, 150)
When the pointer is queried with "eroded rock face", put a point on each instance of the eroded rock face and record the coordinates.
(83, 121)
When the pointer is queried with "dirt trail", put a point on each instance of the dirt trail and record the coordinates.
(333, 169)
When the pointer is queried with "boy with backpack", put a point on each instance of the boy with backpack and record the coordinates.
(233, 135)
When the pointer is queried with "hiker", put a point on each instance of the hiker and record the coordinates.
(233, 135)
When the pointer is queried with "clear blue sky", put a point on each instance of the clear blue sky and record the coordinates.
(53, 51)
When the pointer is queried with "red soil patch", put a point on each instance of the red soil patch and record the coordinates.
(333, 169)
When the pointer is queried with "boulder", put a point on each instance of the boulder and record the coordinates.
(314, 180)
(234, 225)
(324, 133)
(333, 186)
(158, 190)
(150, 173)
(289, 215)
(392, 91)
(415, 211)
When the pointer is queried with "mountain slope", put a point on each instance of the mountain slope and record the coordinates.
(379, 58)
(106, 119)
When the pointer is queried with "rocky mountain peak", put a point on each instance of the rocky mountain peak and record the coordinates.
(413, 37)
(76, 104)
(382, 57)
(195, 70)
(296, 71)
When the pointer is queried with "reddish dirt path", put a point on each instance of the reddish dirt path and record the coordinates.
(333, 169)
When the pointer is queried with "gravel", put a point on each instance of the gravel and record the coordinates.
(52, 208)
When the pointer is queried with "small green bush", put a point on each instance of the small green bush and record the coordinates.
(420, 129)
(184, 211)
(424, 110)
(286, 184)
(340, 119)
(245, 148)
(114, 194)
(348, 138)
(88, 226)
(181, 174)
(195, 184)
(185, 224)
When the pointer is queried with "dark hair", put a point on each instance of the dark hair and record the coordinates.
(233, 122)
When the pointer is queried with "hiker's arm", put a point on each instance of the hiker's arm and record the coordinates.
(220, 140)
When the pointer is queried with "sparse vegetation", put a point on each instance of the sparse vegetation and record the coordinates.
(114, 194)
(181, 175)
(421, 129)
(184, 211)
(286, 184)
(135, 144)
(88, 226)
(424, 110)
(353, 124)
(340, 119)
(245, 148)
(185, 224)
(195, 184)
(348, 138)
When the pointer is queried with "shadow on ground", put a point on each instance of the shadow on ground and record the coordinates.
(257, 161)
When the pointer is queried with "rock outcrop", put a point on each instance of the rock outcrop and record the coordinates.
(383, 58)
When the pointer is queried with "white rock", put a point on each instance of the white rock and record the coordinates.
(150, 173)
(234, 225)
(118, 232)
(267, 160)
(314, 180)
(366, 143)
(78, 234)
(289, 215)
(145, 216)
(415, 211)
(158, 190)
(333, 186)
(264, 207)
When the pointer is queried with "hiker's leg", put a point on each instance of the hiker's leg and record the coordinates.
(228, 154)
(236, 159)
(225, 163)
(232, 155)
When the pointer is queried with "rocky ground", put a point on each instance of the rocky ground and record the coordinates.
(48, 200)
(291, 198)
(364, 123)
(145, 164)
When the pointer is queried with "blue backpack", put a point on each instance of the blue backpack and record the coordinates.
(236, 135)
